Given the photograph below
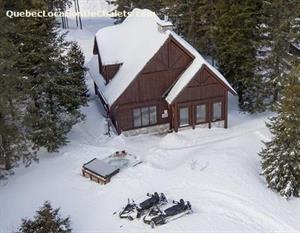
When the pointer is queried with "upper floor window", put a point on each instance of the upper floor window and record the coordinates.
(144, 116)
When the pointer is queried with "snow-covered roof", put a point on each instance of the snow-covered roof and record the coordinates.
(165, 23)
(93, 72)
(296, 45)
(133, 43)
(191, 71)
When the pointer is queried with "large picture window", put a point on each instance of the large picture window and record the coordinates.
(200, 113)
(217, 111)
(144, 116)
(184, 116)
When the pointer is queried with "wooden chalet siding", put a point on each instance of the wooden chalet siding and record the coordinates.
(124, 114)
(109, 71)
(95, 48)
(204, 88)
(148, 88)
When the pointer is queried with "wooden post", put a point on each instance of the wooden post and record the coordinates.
(226, 111)
(193, 114)
(209, 114)
(170, 116)
(175, 113)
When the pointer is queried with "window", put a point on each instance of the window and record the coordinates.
(184, 116)
(153, 115)
(144, 116)
(217, 111)
(201, 113)
(137, 118)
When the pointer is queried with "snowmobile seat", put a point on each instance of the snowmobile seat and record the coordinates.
(153, 200)
(178, 208)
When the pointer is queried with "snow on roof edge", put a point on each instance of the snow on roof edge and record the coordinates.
(192, 70)
(131, 68)
(115, 44)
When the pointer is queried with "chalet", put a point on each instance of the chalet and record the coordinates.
(149, 78)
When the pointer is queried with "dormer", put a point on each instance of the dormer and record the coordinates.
(109, 71)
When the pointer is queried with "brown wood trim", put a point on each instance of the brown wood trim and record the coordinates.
(199, 71)
(222, 109)
(139, 104)
(202, 100)
(188, 106)
(205, 67)
(206, 112)
(181, 46)
(218, 79)
(166, 42)
(226, 111)
(175, 112)
(192, 105)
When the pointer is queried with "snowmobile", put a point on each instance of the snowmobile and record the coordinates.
(158, 216)
(133, 210)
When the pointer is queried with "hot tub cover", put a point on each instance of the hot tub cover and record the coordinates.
(101, 168)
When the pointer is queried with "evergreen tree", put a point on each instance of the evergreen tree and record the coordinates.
(194, 19)
(42, 84)
(76, 69)
(55, 92)
(236, 34)
(46, 220)
(14, 143)
(280, 28)
(281, 156)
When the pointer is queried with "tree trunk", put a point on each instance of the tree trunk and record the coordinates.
(3, 155)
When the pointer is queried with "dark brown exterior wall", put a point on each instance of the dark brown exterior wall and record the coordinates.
(205, 88)
(157, 77)
(109, 71)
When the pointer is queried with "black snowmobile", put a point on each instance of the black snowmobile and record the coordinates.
(133, 210)
(157, 216)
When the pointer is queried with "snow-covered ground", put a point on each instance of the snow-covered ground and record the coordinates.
(217, 170)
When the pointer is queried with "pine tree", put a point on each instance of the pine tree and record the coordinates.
(56, 90)
(76, 69)
(42, 84)
(46, 220)
(236, 34)
(194, 19)
(14, 144)
(281, 156)
(280, 28)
